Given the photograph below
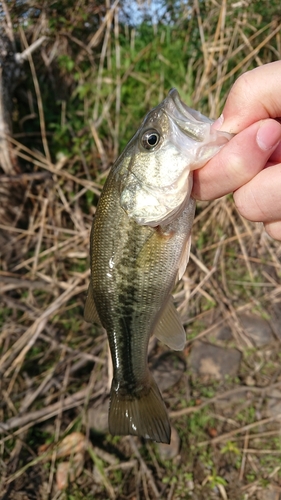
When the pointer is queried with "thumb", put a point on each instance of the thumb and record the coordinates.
(254, 96)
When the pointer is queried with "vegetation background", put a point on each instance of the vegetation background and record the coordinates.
(80, 96)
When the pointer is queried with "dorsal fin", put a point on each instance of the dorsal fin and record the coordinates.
(169, 328)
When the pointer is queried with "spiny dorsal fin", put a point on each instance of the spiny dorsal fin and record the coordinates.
(169, 328)
(90, 311)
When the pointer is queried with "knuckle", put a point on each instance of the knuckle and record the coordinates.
(242, 85)
(273, 229)
(239, 200)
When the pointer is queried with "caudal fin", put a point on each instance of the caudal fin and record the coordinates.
(144, 415)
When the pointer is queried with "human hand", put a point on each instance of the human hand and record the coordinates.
(250, 164)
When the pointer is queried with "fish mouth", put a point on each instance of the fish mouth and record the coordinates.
(185, 112)
(189, 121)
(182, 109)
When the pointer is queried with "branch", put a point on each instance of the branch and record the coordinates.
(20, 58)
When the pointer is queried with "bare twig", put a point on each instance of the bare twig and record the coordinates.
(144, 467)
(25, 55)
(244, 428)
(24, 344)
(28, 419)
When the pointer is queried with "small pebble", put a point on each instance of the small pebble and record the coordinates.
(169, 451)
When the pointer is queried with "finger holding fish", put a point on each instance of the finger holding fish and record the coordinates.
(250, 165)
(238, 162)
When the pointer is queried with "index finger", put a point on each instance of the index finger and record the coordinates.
(238, 161)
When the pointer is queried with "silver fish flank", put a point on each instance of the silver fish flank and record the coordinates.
(140, 243)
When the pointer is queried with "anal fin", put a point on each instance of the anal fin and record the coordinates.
(169, 327)
(90, 311)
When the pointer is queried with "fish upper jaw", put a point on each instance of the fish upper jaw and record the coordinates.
(196, 126)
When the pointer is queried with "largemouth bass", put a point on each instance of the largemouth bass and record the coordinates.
(140, 243)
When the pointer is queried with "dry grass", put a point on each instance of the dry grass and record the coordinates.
(54, 367)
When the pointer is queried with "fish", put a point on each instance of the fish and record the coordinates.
(139, 249)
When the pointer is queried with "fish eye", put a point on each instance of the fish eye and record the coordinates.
(150, 139)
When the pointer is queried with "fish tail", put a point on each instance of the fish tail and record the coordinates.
(143, 413)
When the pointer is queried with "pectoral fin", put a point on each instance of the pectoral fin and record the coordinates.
(184, 259)
(90, 311)
(169, 328)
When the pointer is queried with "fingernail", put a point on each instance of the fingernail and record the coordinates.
(218, 122)
(268, 135)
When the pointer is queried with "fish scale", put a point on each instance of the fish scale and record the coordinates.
(141, 286)
(138, 289)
